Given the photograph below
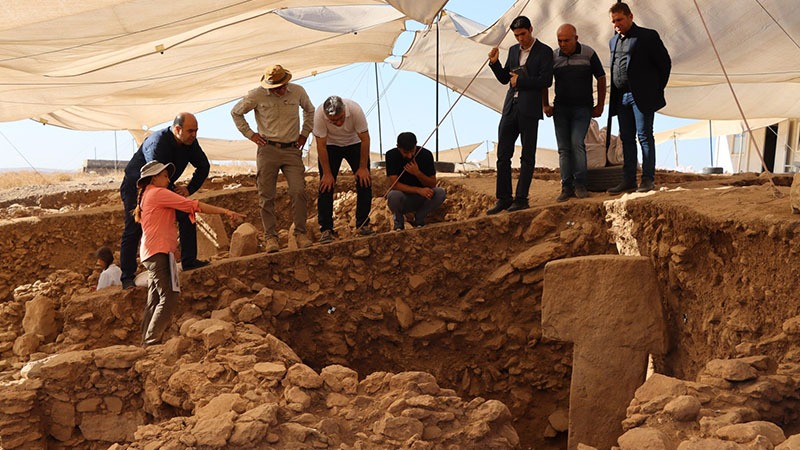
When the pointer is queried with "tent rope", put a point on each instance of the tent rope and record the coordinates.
(460, 96)
(738, 104)
(778, 23)
(452, 118)
(23, 157)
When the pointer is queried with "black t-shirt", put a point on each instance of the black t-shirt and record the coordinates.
(395, 164)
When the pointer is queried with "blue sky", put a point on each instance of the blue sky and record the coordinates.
(407, 105)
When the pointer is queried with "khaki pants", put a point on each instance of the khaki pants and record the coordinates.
(161, 299)
(269, 160)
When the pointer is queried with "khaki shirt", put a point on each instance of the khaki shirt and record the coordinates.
(278, 118)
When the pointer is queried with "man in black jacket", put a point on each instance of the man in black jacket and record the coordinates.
(177, 145)
(528, 70)
(640, 66)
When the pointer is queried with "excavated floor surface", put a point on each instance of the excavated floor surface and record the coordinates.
(459, 299)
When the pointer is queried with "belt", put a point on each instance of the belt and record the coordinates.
(282, 144)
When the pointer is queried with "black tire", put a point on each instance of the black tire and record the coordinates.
(712, 170)
(445, 167)
(603, 178)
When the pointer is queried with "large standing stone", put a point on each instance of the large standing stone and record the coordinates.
(244, 240)
(794, 194)
(610, 308)
(211, 237)
(40, 318)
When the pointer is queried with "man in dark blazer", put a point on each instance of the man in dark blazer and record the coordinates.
(640, 66)
(528, 70)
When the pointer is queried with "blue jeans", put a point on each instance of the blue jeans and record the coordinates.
(571, 124)
(635, 123)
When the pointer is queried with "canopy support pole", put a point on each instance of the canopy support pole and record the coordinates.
(378, 97)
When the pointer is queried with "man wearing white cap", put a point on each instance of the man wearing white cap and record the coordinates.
(340, 129)
(280, 140)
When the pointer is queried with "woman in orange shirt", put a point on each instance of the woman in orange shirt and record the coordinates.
(156, 212)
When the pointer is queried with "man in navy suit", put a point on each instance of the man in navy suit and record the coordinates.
(640, 66)
(528, 70)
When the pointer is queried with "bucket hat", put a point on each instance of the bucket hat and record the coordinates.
(275, 76)
(153, 168)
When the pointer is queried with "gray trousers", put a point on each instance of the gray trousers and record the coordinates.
(401, 203)
(269, 160)
(161, 299)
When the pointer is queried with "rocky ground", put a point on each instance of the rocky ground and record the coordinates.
(423, 339)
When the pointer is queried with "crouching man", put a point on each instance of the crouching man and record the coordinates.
(412, 173)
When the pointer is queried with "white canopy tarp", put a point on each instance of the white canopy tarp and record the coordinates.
(453, 155)
(131, 64)
(761, 56)
(700, 130)
(228, 150)
(545, 157)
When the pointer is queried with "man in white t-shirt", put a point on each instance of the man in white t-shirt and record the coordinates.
(340, 129)
(111, 274)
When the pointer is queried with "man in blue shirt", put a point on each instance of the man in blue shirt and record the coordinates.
(177, 145)
(412, 174)
(574, 65)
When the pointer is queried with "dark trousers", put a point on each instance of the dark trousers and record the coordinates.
(512, 125)
(132, 233)
(351, 153)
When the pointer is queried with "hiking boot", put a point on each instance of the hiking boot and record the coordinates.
(272, 246)
(366, 230)
(194, 264)
(302, 240)
(499, 207)
(646, 185)
(518, 205)
(625, 186)
(326, 237)
(581, 192)
(565, 195)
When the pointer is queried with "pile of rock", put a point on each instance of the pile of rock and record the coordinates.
(218, 386)
(734, 404)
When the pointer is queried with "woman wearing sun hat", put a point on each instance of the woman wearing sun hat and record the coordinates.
(155, 211)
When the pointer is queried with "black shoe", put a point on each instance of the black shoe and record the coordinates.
(565, 195)
(625, 186)
(518, 205)
(646, 186)
(128, 284)
(194, 264)
(581, 192)
(500, 206)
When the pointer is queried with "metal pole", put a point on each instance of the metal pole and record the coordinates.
(675, 148)
(437, 87)
(710, 143)
(378, 96)
(115, 150)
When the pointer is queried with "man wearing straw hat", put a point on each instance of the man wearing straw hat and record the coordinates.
(280, 141)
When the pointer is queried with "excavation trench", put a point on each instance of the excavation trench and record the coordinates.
(462, 300)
